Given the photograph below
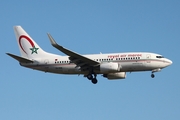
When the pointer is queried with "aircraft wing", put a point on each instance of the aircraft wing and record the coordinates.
(79, 60)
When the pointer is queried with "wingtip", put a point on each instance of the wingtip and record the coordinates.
(53, 42)
(8, 53)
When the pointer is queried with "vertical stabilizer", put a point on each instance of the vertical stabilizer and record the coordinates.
(28, 47)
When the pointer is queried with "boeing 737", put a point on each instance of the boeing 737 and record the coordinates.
(112, 66)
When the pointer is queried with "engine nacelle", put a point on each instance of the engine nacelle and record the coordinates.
(117, 75)
(109, 67)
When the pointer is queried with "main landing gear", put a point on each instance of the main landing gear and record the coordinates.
(92, 78)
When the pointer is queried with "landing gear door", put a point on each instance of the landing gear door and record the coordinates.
(148, 57)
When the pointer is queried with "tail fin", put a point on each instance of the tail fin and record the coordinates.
(28, 47)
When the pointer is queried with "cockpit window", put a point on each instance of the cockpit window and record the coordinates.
(159, 57)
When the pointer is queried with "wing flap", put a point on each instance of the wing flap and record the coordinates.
(20, 59)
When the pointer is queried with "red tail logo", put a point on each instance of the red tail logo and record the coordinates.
(34, 49)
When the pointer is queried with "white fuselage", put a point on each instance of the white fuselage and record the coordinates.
(130, 62)
(113, 65)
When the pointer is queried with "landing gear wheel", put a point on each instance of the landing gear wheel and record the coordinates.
(90, 77)
(94, 81)
(152, 75)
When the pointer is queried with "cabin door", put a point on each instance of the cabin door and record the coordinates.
(148, 58)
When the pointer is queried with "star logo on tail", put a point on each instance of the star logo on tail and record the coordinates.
(34, 50)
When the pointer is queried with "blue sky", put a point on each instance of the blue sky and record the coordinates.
(91, 27)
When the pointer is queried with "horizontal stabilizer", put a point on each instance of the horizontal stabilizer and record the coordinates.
(20, 59)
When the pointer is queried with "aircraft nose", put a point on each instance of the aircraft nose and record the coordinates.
(169, 62)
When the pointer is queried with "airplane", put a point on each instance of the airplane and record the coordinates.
(112, 66)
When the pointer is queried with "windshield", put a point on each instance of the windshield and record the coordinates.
(159, 57)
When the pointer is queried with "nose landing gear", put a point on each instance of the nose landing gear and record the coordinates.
(155, 70)
(152, 75)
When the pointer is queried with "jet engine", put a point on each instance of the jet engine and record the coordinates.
(109, 67)
(117, 75)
